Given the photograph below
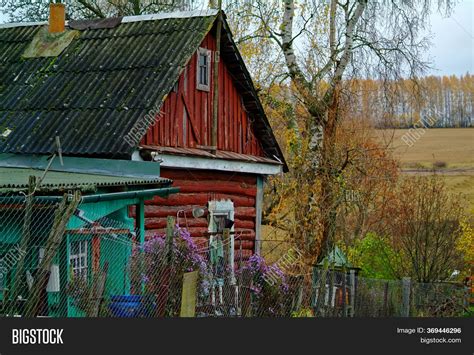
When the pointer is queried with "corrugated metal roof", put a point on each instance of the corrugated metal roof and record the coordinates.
(17, 178)
(104, 82)
(93, 93)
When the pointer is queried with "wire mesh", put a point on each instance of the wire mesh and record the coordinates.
(441, 299)
(379, 298)
(62, 258)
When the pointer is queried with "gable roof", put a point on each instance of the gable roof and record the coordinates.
(107, 79)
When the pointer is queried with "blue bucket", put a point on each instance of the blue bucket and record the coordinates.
(130, 306)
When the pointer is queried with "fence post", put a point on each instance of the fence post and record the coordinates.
(406, 288)
(188, 294)
(97, 290)
(344, 304)
(331, 306)
(299, 300)
(36, 303)
(169, 238)
(239, 288)
(385, 300)
(352, 281)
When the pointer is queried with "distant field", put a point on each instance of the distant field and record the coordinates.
(453, 147)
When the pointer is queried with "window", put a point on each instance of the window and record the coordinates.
(203, 74)
(221, 216)
(78, 258)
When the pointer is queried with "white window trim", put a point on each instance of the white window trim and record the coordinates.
(223, 208)
(219, 208)
(79, 269)
(207, 53)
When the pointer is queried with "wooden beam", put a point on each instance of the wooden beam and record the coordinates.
(191, 119)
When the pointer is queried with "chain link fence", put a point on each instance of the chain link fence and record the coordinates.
(60, 258)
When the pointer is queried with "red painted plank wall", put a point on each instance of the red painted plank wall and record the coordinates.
(197, 187)
(186, 115)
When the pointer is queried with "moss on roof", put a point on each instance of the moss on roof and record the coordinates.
(96, 89)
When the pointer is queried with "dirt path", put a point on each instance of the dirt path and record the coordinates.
(468, 171)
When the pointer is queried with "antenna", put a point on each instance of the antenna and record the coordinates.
(59, 150)
(51, 159)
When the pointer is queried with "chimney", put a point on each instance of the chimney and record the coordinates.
(57, 18)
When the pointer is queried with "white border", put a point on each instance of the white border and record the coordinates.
(166, 15)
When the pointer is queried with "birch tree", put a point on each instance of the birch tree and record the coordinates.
(323, 45)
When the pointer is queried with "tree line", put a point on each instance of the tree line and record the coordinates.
(434, 101)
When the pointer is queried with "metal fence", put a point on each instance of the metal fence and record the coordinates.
(59, 258)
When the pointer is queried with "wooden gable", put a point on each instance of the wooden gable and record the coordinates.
(185, 120)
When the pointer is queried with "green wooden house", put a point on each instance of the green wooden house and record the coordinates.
(99, 233)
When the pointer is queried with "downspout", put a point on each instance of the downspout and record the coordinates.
(215, 101)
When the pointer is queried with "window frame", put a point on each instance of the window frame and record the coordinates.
(203, 52)
(79, 269)
(219, 208)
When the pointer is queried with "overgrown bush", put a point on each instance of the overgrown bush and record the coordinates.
(159, 271)
(374, 255)
(269, 288)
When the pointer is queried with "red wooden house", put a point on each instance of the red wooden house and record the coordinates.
(142, 88)
(246, 149)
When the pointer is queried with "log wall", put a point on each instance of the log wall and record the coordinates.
(197, 187)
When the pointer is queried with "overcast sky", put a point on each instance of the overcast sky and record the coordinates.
(453, 41)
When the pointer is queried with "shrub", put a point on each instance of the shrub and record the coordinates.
(268, 289)
(152, 270)
(374, 255)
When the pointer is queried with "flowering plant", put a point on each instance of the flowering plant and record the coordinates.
(269, 287)
(157, 269)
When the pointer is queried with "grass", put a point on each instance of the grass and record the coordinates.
(463, 185)
(453, 146)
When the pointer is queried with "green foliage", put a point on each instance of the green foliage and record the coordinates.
(303, 313)
(374, 255)
(469, 312)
